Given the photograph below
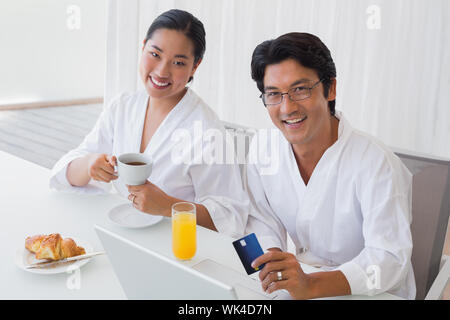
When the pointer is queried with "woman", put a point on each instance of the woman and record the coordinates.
(150, 122)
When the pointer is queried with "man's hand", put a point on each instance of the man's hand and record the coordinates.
(299, 284)
(293, 279)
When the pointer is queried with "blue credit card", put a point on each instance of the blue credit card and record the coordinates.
(248, 249)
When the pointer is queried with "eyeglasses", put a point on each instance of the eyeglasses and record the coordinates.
(295, 94)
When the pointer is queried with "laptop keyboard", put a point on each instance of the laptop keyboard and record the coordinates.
(233, 278)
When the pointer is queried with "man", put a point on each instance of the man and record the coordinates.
(343, 197)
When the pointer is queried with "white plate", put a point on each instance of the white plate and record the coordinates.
(24, 258)
(127, 216)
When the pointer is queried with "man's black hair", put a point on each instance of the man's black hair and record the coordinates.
(305, 48)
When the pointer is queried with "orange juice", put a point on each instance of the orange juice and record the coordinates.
(184, 237)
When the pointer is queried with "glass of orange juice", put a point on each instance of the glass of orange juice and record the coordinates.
(184, 235)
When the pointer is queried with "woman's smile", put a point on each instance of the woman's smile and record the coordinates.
(159, 84)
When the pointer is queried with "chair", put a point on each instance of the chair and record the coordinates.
(430, 216)
(242, 137)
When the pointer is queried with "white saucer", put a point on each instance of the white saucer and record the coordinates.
(125, 215)
(24, 258)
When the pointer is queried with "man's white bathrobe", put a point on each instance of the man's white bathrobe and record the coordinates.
(354, 214)
(181, 149)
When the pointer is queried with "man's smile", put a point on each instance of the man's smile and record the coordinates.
(294, 122)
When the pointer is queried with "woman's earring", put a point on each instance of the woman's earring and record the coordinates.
(190, 80)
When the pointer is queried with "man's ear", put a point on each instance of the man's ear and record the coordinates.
(332, 90)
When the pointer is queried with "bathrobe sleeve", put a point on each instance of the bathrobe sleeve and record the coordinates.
(384, 192)
(99, 140)
(218, 184)
(262, 219)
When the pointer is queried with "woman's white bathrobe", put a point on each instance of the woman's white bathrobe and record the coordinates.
(184, 150)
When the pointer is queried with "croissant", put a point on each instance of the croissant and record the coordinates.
(33, 243)
(53, 247)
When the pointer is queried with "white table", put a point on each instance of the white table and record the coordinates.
(29, 207)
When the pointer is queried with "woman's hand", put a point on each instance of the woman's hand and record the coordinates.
(150, 199)
(283, 264)
(101, 167)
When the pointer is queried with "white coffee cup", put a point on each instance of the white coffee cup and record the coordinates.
(132, 173)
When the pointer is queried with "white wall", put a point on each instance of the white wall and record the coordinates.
(45, 56)
(393, 81)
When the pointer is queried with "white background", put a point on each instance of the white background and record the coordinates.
(42, 59)
(393, 82)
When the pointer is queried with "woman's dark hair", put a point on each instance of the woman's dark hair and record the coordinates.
(305, 48)
(184, 22)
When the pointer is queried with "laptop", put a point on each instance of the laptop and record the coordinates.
(146, 274)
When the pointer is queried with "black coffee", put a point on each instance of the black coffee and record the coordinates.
(136, 163)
